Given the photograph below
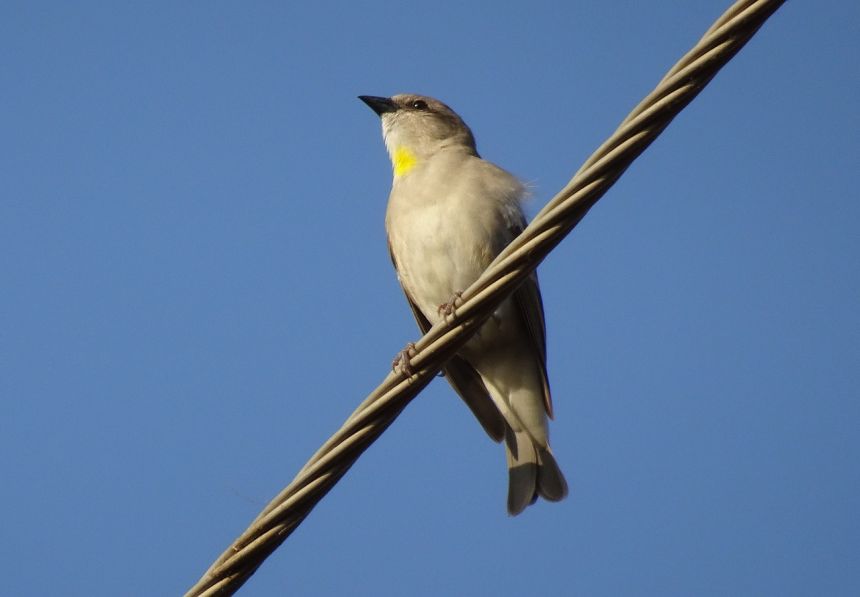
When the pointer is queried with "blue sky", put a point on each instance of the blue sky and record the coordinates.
(196, 292)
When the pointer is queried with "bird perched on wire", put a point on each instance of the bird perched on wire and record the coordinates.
(449, 214)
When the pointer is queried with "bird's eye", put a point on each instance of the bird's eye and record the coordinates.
(419, 105)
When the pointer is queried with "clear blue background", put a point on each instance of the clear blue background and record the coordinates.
(196, 292)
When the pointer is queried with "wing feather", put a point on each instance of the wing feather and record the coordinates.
(529, 305)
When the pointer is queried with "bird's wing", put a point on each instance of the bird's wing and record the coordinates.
(530, 307)
(464, 379)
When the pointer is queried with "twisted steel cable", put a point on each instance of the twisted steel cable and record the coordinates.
(563, 212)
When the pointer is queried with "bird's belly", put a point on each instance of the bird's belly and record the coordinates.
(439, 257)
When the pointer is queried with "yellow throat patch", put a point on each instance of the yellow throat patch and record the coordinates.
(403, 161)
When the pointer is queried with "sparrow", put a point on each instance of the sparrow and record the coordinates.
(449, 214)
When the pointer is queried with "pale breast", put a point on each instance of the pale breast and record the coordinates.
(445, 223)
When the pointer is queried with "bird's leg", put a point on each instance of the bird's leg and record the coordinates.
(448, 309)
(401, 363)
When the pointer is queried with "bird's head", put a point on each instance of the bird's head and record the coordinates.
(415, 127)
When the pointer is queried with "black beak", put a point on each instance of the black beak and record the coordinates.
(380, 105)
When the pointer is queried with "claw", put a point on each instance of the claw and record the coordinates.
(401, 363)
(448, 309)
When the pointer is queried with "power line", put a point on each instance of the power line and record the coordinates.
(681, 84)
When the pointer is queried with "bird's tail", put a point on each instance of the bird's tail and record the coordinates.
(532, 472)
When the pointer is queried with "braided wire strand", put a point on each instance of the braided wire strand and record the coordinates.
(637, 131)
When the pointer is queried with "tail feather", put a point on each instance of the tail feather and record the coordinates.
(532, 472)
(522, 470)
(551, 484)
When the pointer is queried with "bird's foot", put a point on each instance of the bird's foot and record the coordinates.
(401, 363)
(448, 309)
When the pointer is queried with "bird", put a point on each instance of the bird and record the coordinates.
(449, 214)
